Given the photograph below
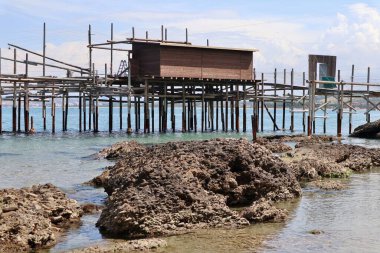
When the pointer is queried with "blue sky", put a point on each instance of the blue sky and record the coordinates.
(284, 31)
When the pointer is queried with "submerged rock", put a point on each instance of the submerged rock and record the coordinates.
(351, 157)
(119, 149)
(125, 246)
(368, 130)
(178, 186)
(263, 211)
(32, 218)
(329, 185)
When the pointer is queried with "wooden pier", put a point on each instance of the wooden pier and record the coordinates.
(158, 73)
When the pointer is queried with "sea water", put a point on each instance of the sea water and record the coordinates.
(348, 218)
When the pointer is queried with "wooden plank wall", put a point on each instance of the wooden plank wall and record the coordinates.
(150, 59)
(145, 59)
(206, 63)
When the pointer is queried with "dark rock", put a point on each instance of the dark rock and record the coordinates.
(368, 130)
(179, 186)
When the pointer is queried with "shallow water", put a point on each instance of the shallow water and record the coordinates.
(348, 218)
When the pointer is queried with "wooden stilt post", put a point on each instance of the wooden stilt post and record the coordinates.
(165, 107)
(303, 102)
(262, 103)
(146, 107)
(53, 110)
(292, 101)
(340, 107)
(67, 109)
(207, 125)
(244, 107)
(232, 108)
(80, 109)
(172, 112)
(203, 107)
(129, 124)
(136, 112)
(189, 113)
(237, 109)
(211, 112)
(97, 113)
(90, 112)
(26, 97)
(14, 105)
(160, 111)
(195, 115)
(19, 109)
(368, 115)
(63, 110)
(254, 116)
(217, 109)
(183, 110)
(350, 109)
(222, 108)
(139, 113)
(43, 74)
(274, 102)
(284, 103)
(152, 124)
(84, 113)
(1, 99)
(226, 123)
(325, 116)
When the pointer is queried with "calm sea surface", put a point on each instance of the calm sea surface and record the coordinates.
(349, 218)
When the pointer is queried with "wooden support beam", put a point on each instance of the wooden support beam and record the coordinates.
(222, 109)
(284, 103)
(172, 112)
(292, 100)
(67, 108)
(183, 110)
(26, 97)
(19, 109)
(303, 102)
(84, 113)
(232, 108)
(244, 107)
(203, 108)
(146, 108)
(274, 102)
(14, 105)
(368, 115)
(237, 109)
(350, 108)
(262, 103)
(152, 111)
(340, 107)
(63, 111)
(226, 123)
(53, 111)
(80, 110)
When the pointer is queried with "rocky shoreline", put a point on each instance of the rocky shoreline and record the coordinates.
(33, 218)
(179, 187)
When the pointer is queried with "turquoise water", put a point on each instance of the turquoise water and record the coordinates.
(348, 218)
(358, 118)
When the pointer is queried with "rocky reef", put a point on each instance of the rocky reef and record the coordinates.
(33, 218)
(369, 130)
(180, 186)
